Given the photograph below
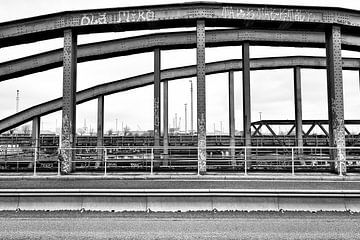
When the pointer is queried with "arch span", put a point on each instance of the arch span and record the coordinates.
(167, 41)
(168, 75)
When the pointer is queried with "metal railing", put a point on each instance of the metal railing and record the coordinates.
(150, 160)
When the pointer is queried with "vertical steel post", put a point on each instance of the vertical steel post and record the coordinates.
(166, 122)
(100, 129)
(246, 97)
(58, 167)
(298, 107)
(152, 161)
(35, 161)
(192, 107)
(69, 100)
(245, 161)
(105, 162)
(335, 98)
(157, 112)
(36, 138)
(292, 162)
(232, 117)
(201, 95)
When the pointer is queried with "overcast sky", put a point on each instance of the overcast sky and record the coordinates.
(271, 90)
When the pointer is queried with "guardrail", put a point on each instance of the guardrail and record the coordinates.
(150, 160)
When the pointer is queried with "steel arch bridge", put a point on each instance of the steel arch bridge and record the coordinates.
(269, 25)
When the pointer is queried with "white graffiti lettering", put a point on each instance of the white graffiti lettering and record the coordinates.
(90, 19)
(117, 17)
(281, 14)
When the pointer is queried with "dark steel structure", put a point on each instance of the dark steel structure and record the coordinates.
(333, 28)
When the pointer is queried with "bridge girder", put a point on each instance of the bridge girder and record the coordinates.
(168, 75)
(167, 41)
(256, 16)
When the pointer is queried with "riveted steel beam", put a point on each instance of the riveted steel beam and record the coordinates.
(201, 95)
(157, 109)
(171, 74)
(121, 47)
(36, 136)
(335, 97)
(69, 101)
(166, 121)
(100, 129)
(298, 107)
(176, 15)
(246, 94)
(100, 122)
(232, 115)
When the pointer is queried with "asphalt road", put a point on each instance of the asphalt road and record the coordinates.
(75, 225)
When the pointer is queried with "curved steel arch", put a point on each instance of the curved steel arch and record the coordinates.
(167, 75)
(140, 44)
(177, 15)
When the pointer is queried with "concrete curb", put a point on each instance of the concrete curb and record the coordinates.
(177, 200)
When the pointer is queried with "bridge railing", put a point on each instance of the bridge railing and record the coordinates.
(150, 160)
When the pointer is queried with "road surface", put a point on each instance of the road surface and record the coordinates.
(232, 225)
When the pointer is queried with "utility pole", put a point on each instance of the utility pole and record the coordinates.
(192, 107)
(185, 118)
(260, 115)
(116, 129)
(221, 130)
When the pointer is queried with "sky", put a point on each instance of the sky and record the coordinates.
(271, 90)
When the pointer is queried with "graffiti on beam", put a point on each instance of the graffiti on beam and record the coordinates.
(273, 14)
(156, 115)
(66, 153)
(117, 17)
(202, 143)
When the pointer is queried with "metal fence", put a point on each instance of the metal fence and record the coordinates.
(150, 160)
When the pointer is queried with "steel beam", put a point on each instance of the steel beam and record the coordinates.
(201, 95)
(271, 131)
(257, 129)
(166, 122)
(246, 94)
(346, 130)
(298, 107)
(36, 136)
(310, 129)
(122, 47)
(69, 101)
(335, 97)
(214, 38)
(157, 109)
(172, 74)
(291, 129)
(100, 122)
(232, 115)
(100, 129)
(174, 15)
(324, 130)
